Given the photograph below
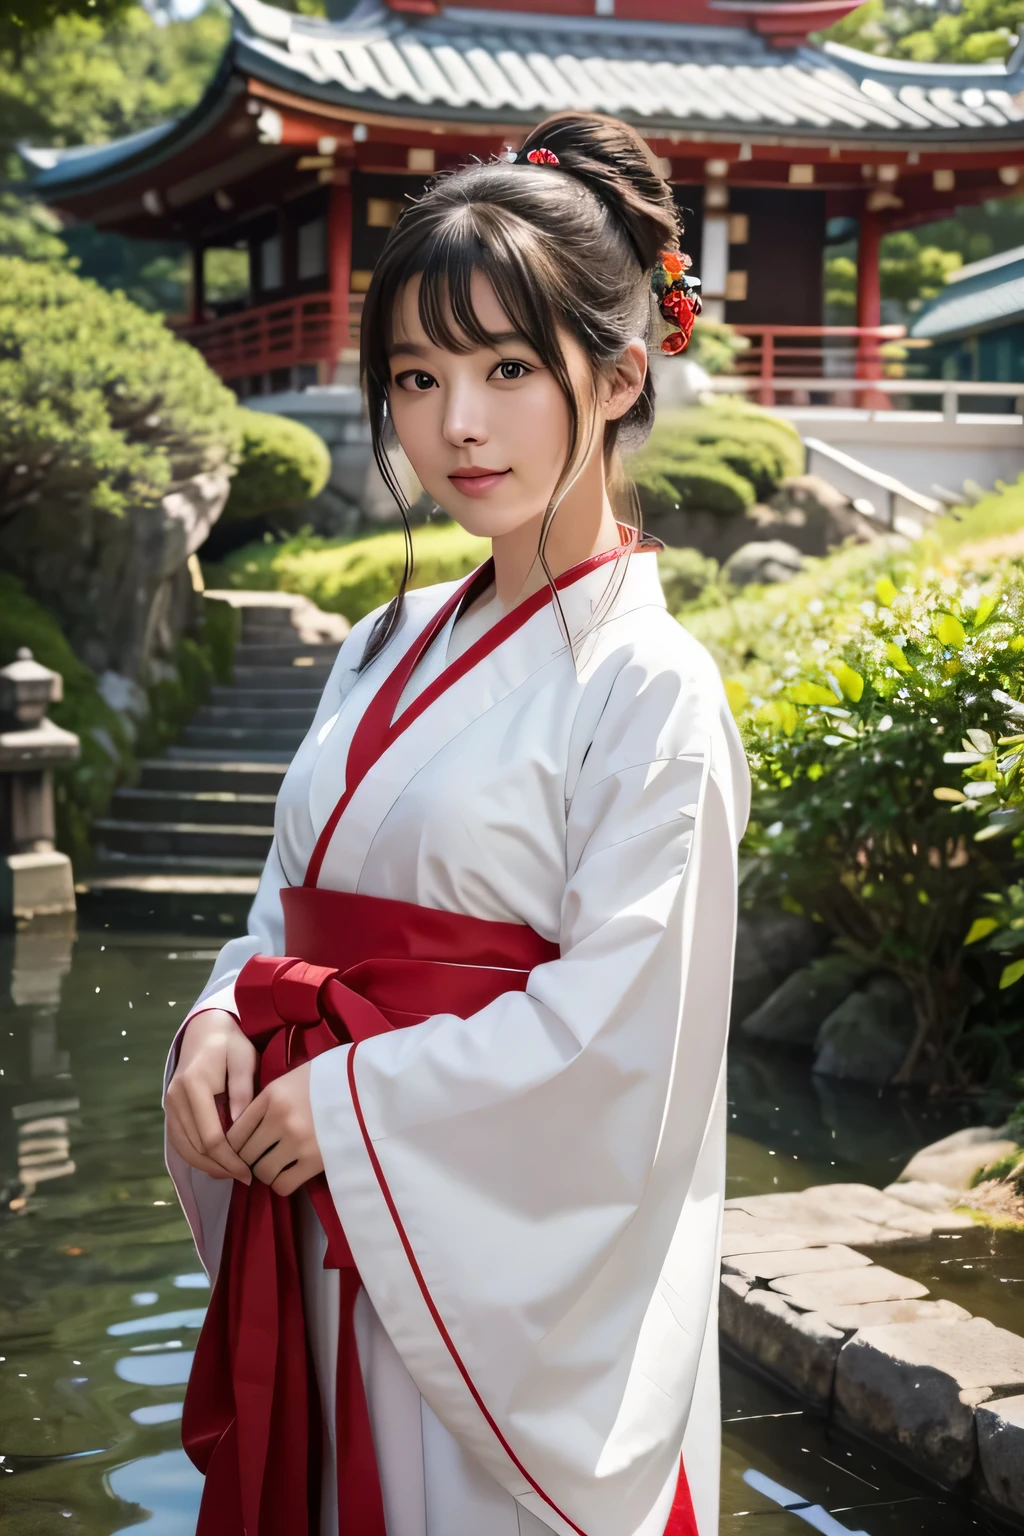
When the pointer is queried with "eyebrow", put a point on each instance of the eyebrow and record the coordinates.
(414, 349)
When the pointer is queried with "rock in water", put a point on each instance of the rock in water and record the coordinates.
(955, 1159)
(867, 1036)
(795, 1011)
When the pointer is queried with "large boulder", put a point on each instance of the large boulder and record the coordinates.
(1001, 1452)
(763, 562)
(868, 1035)
(794, 1013)
(956, 1159)
(770, 945)
(811, 514)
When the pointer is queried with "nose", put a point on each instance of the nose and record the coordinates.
(464, 425)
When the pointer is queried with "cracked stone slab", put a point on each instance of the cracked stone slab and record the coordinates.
(854, 1214)
(1001, 1451)
(848, 1287)
(761, 1265)
(869, 1314)
(917, 1384)
(796, 1347)
(763, 1241)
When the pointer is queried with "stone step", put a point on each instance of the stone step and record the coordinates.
(210, 906)
(228, 740)
(219, 807)
(244, 717)
(225, 777)
(271, 699)
(164, 839)
(271, 756)
(279, 655)
(246, 677)
(269, 632)
(109, 863)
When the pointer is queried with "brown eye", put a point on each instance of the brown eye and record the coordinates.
(422, 380)
(511, 371)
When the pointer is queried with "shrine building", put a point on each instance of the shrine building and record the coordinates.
(313, 132)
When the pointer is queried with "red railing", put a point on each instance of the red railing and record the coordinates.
(802, 353)
(311, 330)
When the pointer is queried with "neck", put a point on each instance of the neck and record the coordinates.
(584, 525)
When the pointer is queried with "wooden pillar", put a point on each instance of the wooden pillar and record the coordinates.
(869, 294)
(714, 252)
(339, 260)
(197, 286)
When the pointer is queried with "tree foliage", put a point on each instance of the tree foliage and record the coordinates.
(84, 81)
(910, 272)
(101, 408)
(972, 32)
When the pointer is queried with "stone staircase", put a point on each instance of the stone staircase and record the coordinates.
(183, 849)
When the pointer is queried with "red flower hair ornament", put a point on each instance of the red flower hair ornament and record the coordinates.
(678, 298)
(542, 157)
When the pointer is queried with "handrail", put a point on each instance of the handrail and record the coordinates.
(949, 390)
(895, 490)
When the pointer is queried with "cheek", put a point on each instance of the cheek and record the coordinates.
(540, 422)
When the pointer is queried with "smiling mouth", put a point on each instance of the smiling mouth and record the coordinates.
(476, 480)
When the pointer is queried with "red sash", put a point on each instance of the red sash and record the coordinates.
(357, 967)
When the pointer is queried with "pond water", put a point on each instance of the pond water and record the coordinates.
(101, 1295)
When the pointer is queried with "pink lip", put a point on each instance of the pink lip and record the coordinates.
(474, 482)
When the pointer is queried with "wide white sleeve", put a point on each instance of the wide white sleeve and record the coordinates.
(532, 1194)
(205, 1200)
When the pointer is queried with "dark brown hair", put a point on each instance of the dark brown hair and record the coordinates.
(567, 249)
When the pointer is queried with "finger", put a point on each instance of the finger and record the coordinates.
(273, 1163)
(212, 1140)
(182, 1142)
(241, 1074)
(249, 1121)
(262, 1141)
(294, 1176)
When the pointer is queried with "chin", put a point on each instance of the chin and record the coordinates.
(485, 521)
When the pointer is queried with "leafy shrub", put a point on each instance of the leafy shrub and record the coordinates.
(352, 577)
(853, 823)
(715, 347)
(698, 482)
(101, 408)
(757, 451)
(686, 576)
(283, 465)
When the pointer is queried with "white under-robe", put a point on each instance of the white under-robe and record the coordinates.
(556, 1159)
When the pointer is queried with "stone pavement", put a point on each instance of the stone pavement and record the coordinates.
(801, 1300)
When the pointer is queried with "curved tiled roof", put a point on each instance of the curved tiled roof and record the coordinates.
(507, 68)
(988, 294)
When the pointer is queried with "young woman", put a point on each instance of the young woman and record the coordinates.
(465, 1275)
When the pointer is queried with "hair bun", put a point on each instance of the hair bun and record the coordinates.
(612, 159)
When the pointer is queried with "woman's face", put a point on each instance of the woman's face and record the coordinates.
(486, 431)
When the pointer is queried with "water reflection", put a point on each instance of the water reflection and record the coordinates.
(101, 1296)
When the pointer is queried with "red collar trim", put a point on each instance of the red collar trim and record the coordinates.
(379, 728)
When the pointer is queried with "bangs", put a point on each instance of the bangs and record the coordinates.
(512, 262)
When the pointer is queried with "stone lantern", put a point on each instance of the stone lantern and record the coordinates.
(35, 879)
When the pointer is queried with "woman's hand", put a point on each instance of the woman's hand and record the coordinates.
(215, 1058)
(275, 1136)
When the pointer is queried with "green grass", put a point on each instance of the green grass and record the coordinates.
(999, 513)
(355, 576)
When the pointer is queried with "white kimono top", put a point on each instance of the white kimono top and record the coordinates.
(557, 1159)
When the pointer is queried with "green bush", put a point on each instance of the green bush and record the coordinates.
(715, 347)
(352, 577)
(696, 482)
(849, 712)
(101, 408)
(686, 577)
(283, 465)
(754, 451)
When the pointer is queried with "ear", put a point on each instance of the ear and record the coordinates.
(626, 380)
